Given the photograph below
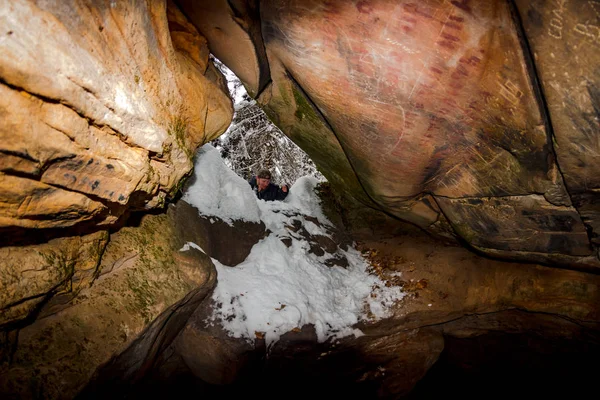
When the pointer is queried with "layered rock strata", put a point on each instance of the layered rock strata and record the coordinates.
(103, 106)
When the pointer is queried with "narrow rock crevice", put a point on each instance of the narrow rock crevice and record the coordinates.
(264, 88)
(529, 194)
(57, 129)
(107, 203)
(158, 343)
(21, 174)
(32, 316)
(26, 299)
(587, 264)
(264, 74)
(579, 323)
(25, 155)
(85, 89)
(458, 237)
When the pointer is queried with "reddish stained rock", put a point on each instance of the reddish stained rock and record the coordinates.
(428, 98)
(381, 123)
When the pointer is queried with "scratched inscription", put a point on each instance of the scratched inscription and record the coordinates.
(557, 21)
(510, 91)
(588, 30)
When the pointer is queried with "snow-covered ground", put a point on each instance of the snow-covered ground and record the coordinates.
(279, 288)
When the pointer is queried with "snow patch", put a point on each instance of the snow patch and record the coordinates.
(279, 288)
(217, 191)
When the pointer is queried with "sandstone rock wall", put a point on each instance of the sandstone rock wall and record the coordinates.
(564, 39)
(472, 118)
(103, 105)
(477, 120)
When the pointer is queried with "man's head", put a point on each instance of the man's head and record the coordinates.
(263, 179)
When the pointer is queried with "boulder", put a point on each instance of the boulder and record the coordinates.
(68, 312)
(211, 354)
(46, 275)
(462, 314)
(230, 244)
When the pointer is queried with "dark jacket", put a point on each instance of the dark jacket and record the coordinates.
(272, 192)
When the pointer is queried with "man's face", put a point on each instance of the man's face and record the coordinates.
(262, 183)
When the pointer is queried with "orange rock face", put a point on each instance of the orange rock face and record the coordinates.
(102, 107)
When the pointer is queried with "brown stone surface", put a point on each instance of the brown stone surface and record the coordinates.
(234, 31)
(528, 313)
(102, 107)
(458, 294)
(437, 99)
(209, 352)
(519, 224)
(230, 244)
(370, 367)
(46, 274)
(141, 357)
(565, 39)
(458, 283)
(127, 301)
(466, 118)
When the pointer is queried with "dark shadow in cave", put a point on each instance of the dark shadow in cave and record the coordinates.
(492, 365)
(502, 365)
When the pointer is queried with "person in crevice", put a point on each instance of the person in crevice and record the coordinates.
(265, 190)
